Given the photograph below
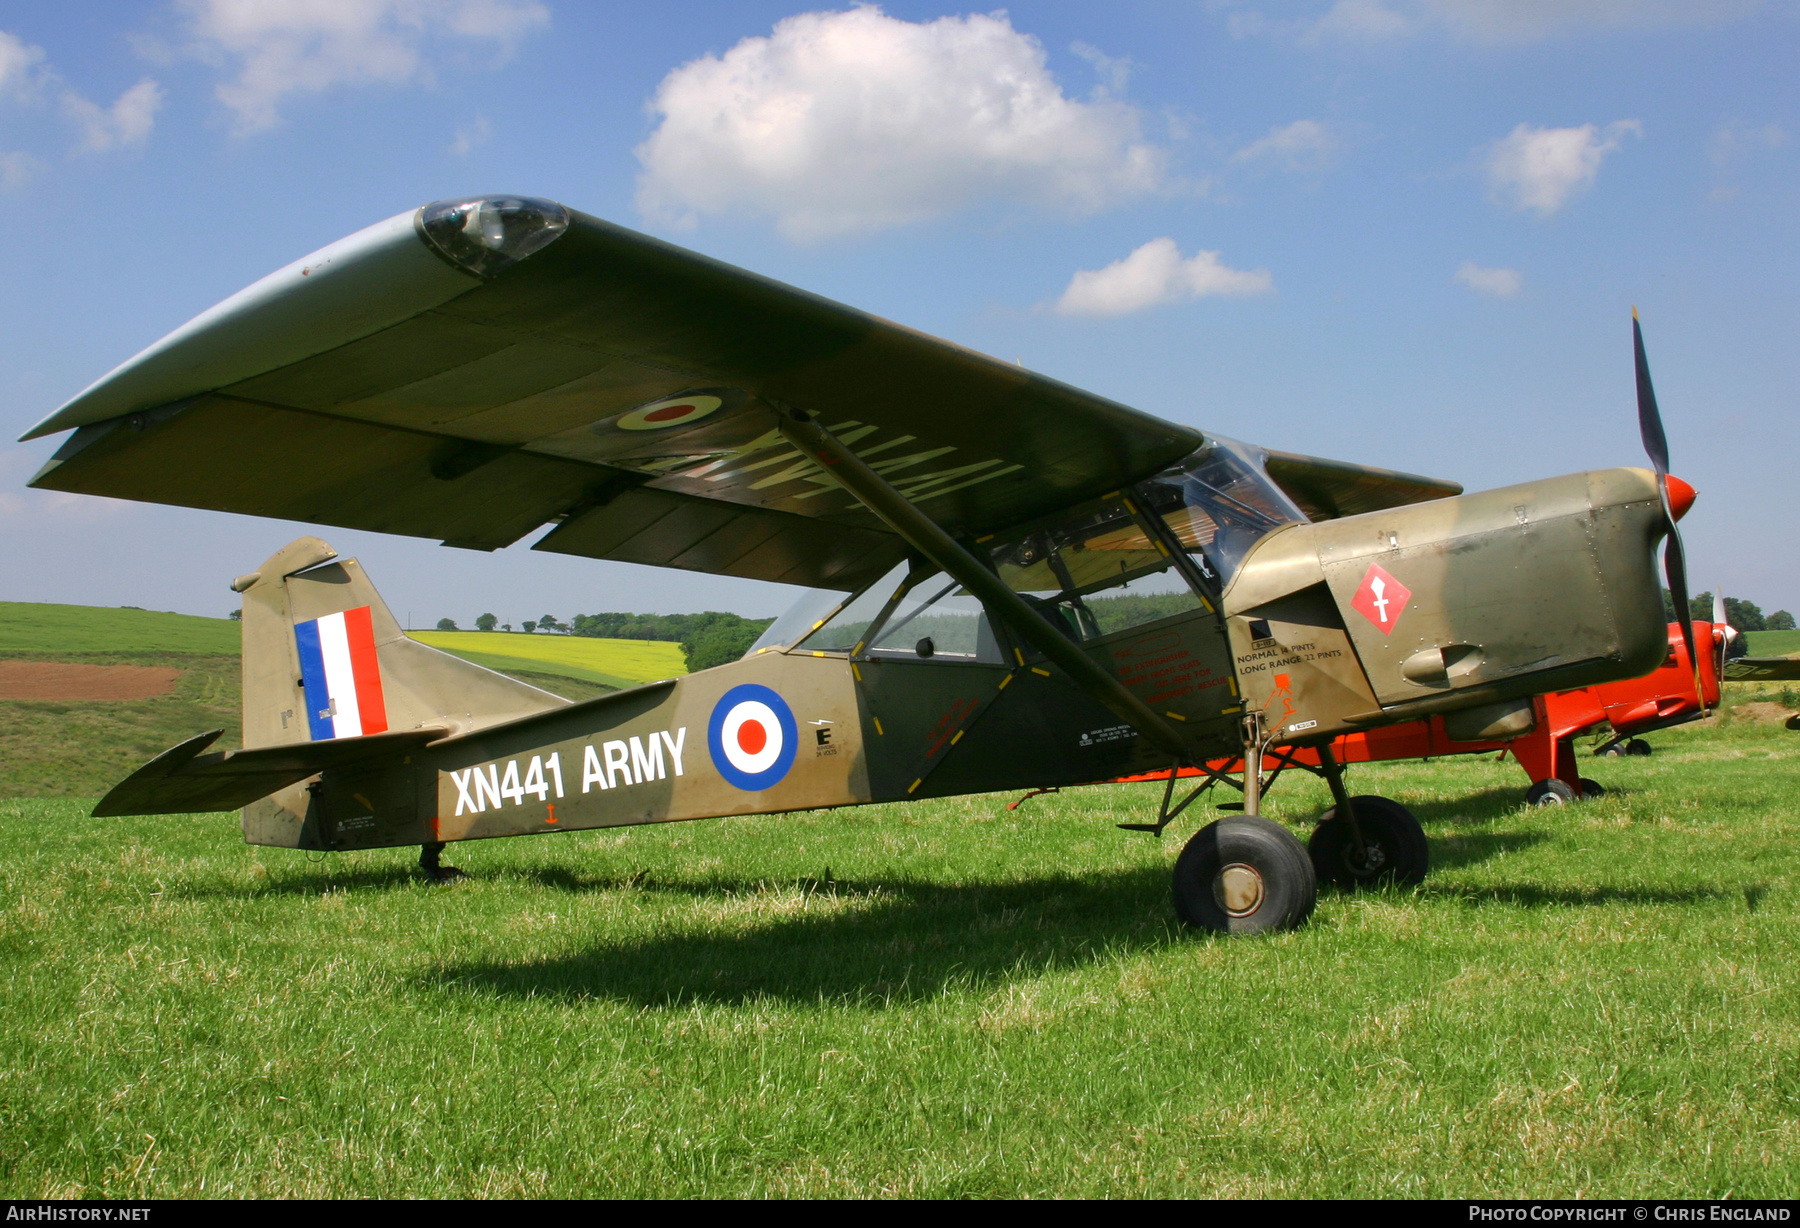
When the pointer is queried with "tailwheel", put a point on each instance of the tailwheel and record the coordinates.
(1244, 875)
(1637, 747)
(1551, 792)
(1591, 789)
(1394, 847)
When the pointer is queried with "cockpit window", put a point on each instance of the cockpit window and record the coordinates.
(849, 626)
(1094, 572)
(938, 618)
(1219, 503)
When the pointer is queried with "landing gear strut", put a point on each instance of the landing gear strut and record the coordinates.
(1363, 841)
(428, 862)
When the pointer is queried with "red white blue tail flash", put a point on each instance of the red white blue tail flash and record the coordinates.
(341, 675)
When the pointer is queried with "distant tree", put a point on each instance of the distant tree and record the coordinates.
(446, 624)
(506, 626)
(548, 622)
(237, 616)
(487, 622)
(529, 626)
(1780, 620)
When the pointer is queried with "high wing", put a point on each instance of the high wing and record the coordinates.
(477, 369)
(1326, 489)
(414, 379)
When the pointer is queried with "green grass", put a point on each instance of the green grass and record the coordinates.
(613, 663)
(34, 627)
(1773, 643)
(942, 998)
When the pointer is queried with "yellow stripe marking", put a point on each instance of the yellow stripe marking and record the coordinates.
(856, 671)
(1019, 655)
(958, 737)
(1232, 683)
(915, 784)
(1229, 711)
(1044, 672)
(1003, 682)
(878, 728)
(1175, 716)
(818, 654)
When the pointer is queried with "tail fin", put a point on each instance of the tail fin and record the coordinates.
(323, 659)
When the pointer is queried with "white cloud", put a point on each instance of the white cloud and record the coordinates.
(283, 47)
(1501, 283)
(1114, 71)
(1155, 274)
(16, 61)
(127, 122)
(1486, 21)
(468, 136)
(855, 121)
(1304, 145)
(1735, 141)
(1542, 169)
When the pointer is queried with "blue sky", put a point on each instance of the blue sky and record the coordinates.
(1427, 223)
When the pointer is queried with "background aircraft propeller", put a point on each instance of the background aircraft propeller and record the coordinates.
(1656, 445)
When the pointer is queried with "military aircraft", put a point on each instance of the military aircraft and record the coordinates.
(1017, 584)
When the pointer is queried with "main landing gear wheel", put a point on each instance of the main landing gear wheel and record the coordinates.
(1244, 875)
(1631, 746)
(1394, 841)
(1591, 789)
(1551, 792)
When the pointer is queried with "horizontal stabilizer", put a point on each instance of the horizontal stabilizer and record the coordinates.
(1763, 669)
(182, 780)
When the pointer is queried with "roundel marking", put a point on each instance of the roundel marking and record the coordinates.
(671, 411)
(752, 737)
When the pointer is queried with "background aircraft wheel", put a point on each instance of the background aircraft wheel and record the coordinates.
(1396, 845)
(1591, 789)
(1244, 875)
(1552, 792)
(1637, 746)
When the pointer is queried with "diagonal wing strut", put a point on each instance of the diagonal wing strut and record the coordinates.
(927, 537)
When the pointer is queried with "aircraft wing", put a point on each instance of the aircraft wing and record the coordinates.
(1762, 669)
(475, 370)
(1327, 489)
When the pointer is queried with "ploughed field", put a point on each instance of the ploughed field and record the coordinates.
(88, 695)
(935, 998)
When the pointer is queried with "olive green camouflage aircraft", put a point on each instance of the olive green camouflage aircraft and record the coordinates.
(1016, 584)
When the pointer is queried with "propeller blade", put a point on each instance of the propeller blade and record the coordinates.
(1650, 426)
(1718, 618)
(1675, 569)
(1656, 445)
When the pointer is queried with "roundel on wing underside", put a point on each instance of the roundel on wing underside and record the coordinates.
(669, 412)
(752, 737)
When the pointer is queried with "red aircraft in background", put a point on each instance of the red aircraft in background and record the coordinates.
(1666, 696)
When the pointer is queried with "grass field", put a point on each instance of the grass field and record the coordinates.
(613, 663)
(1773, 643)
(57, 631)
(942, 998)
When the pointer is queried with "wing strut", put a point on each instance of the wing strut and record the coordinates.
(925, 536)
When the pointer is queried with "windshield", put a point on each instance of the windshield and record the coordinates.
(1219, 503)
(1094, 572)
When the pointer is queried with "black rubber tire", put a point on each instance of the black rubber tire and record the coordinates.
(1637, 746)
(1615, 751)
(1551, 792)
(1267, 853)
(1591, 789)
(1396, 843)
